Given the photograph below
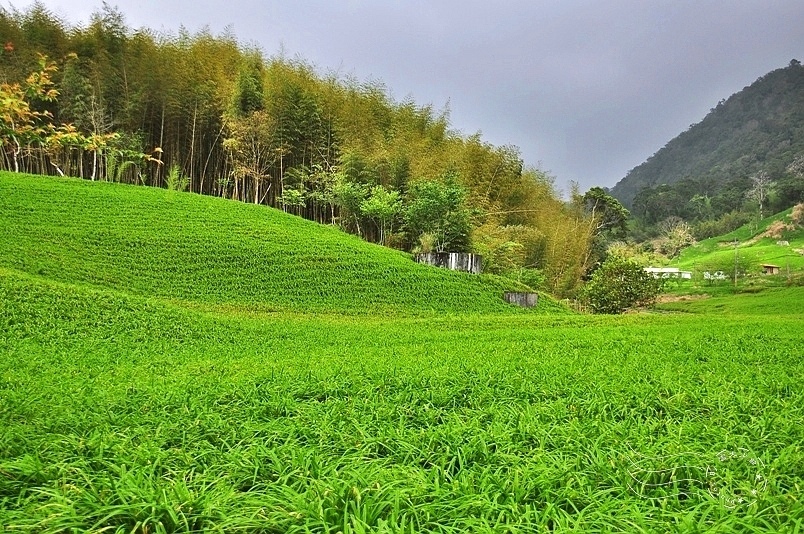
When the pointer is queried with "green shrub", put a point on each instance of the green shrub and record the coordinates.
(175, 180)
(619, 284)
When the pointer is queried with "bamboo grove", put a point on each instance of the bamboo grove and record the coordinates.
(203, 113)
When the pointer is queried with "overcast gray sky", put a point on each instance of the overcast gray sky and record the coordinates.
(586, 89)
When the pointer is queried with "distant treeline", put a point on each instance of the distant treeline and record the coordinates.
(203, 113)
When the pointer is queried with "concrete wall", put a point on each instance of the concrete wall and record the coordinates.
(525, 300)
(455, 261)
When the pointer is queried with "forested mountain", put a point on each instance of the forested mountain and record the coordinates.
(750, 139)
(203, 113)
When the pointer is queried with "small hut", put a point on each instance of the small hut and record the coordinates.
(771, 269)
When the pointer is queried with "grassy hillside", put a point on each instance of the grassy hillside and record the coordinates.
(754, 248)
(215, 252)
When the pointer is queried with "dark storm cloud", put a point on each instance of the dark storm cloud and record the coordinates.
(586, 89)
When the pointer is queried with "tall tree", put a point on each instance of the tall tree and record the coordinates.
(383, 207)
(606, 212)
(249, 90)
(254, 154)
(437, 209)
(23, 128)
(761, 184)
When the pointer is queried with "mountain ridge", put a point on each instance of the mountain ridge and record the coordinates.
(760, 128)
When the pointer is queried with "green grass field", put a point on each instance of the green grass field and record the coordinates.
(140, 394)
(771, 302)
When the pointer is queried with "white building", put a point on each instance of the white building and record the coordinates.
(668, 272)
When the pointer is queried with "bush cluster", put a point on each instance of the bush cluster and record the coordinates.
(619, 284)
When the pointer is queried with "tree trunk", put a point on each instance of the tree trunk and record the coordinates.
(192, 145)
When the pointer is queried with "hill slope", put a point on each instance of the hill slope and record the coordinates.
(756, 244)
(758, 128)
(216, 253)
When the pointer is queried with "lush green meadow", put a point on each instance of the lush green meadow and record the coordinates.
(137, 400)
